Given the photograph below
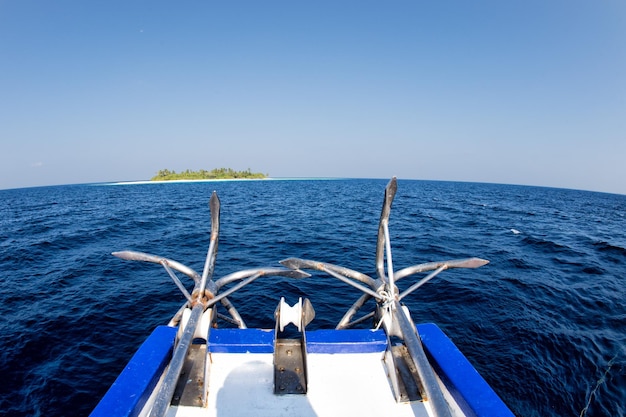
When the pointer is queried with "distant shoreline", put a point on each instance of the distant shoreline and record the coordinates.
(197, 180)
(203, 174)
(141, 182)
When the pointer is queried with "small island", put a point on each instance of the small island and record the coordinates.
(214, 174)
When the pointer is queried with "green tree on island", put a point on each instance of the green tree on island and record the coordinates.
(214, 174)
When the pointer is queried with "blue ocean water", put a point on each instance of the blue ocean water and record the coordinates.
(544, 322)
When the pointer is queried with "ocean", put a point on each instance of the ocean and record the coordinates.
(544, 322)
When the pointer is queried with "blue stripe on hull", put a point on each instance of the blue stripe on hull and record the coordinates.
(318, 341)
(133, 386)
(469, 389)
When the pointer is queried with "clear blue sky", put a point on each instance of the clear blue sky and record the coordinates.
(521, 92)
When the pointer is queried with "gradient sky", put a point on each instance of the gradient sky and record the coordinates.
(520, 92)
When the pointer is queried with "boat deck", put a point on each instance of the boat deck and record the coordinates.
(241, 384)
(346, 376)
